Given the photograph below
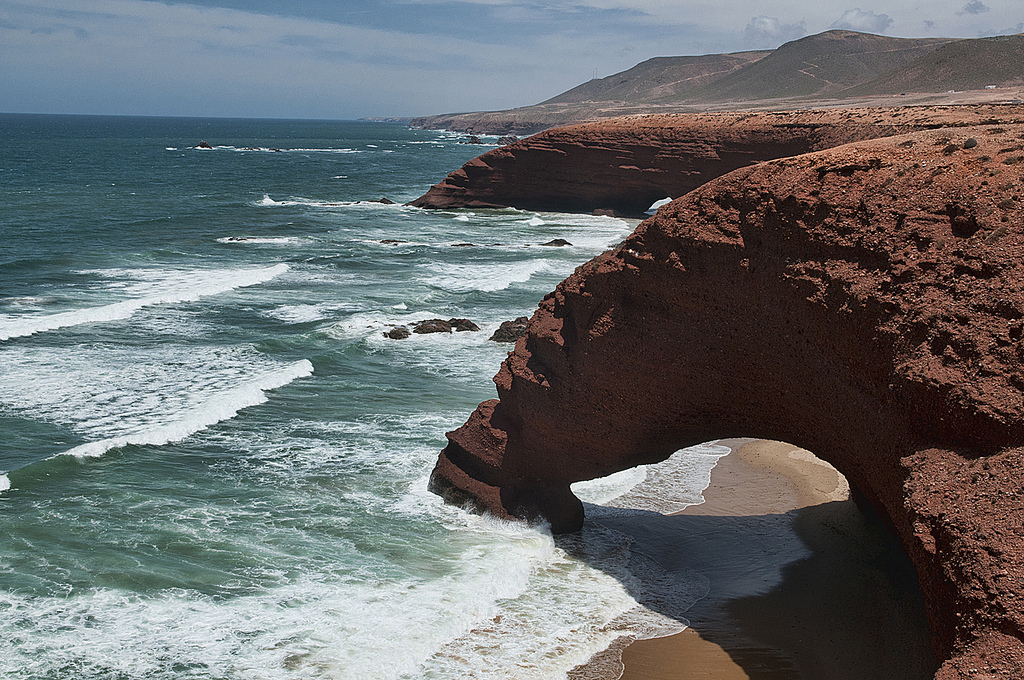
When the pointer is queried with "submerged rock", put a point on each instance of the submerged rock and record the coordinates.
(557, 243)
(397, 333)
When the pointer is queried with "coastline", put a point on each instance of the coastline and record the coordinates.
(801, 584)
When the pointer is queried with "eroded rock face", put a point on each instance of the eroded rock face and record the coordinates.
(865, 303)
(624, 165)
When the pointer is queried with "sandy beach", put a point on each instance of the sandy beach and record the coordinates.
(801, 584)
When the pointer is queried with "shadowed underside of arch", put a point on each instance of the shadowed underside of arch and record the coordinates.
(865, 303)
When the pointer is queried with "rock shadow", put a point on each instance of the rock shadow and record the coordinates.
(820, 593)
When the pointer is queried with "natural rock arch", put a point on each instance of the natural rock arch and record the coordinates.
(865, 303)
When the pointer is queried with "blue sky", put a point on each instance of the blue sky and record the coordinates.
(356, 58)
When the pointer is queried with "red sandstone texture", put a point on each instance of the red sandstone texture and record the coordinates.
(626, 164)
(864, 302)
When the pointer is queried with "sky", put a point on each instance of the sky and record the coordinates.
(346, 59)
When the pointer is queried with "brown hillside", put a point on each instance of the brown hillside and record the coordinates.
(821, 64)
(659, 79)
(961, 65)
(835, 68)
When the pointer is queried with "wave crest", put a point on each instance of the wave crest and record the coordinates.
(222, 406)
(175, 291)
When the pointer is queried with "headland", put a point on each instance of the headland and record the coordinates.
(865, 302)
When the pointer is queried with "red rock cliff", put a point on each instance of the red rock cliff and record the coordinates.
(866, 303)
(626, 164)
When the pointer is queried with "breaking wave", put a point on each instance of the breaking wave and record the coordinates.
(202, 415)
(166, 289)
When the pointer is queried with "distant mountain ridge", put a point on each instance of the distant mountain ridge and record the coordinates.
(822, 64)
(834, 65)
(959, 65)
(659, 79)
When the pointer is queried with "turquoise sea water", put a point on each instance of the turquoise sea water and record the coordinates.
(214, 465)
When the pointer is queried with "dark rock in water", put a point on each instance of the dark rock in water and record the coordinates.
(392, 241)
(203, 145)
(473, 139)
(606, 212)
(463, 325)
(508, 139)
(463, 245)
(510, 331)
(432, 326)
(442, 326)
(385, 201)
(557, 243)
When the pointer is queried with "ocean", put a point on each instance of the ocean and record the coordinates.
(213, 463)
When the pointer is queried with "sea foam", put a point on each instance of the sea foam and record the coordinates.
(5, 483)
(267, 201)
(173, 288)
(674, 484)
(488, 278)
(262, 240)
(216, 408)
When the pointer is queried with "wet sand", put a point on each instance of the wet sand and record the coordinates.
(801, 584)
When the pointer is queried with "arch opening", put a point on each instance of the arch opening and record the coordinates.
(801, 577)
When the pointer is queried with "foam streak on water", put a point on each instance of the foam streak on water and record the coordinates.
(198, 417)
(183, 287)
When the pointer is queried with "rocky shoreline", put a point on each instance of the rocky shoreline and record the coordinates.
(864, 302)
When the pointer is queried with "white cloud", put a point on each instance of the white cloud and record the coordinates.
(857, 19)
(142, 57)
(167, 57)
(764, 32)
(146, 57)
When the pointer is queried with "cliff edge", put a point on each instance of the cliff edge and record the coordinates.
(864, 302)
(626, 164)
